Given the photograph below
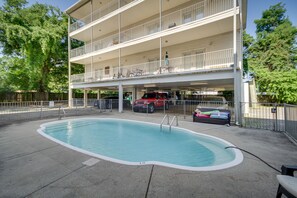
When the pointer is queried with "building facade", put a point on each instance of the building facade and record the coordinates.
(140, 45)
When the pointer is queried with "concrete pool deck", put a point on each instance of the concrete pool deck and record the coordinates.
(33, 166)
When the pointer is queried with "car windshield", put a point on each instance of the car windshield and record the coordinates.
(149, 95)
(214, 99)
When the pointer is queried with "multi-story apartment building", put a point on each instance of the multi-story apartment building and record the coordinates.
(138, 45)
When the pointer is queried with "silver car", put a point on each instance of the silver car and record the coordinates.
(218, 102)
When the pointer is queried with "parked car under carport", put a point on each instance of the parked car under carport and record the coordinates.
(111, 102)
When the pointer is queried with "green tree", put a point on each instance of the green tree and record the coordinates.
(35, 38)
(248, 40)
(14, 76)
(273, 55)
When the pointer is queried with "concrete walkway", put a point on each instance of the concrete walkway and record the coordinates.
(33, 166)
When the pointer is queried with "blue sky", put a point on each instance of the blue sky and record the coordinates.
(255, 9)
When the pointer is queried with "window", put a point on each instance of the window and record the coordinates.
(200, 57)
(149, 95)
(194, 59)
(187, 17)
(199, 13)
(153, 28)
(153, 65)
(193, 14)
(106, 69)
(98, 73)
(187, 61)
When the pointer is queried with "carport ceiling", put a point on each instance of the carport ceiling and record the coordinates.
(221, 84)
(226, 84)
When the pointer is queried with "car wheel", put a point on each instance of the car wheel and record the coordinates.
(166, 106)
(151, 108)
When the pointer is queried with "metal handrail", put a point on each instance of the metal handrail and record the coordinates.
(166, 115)
(208, 60)
(174, 118)
(64, 113)
(197, 11)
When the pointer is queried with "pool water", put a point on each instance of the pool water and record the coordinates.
(135, 143)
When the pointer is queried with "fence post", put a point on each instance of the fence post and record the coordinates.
(240, 113)
(184, 109)
(59, 116)
(276, 123)
(275, 117)
(75, 106)
(285, 116)
(41, 105)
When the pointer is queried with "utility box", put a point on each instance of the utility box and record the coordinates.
(51, 104)
(273, 110)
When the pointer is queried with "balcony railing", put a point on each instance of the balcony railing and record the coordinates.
(189, 14)
(198, 62)
(97, 14)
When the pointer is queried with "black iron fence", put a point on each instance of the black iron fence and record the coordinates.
(11, 112)
(290, 115)
(182, 108)
(269, 116)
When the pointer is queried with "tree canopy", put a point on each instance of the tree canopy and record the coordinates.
(34, 45)
(272, 56)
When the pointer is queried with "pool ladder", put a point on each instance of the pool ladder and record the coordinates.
(64, 113)
(168, 123)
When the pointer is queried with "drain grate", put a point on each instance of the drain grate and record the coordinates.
(91, 162)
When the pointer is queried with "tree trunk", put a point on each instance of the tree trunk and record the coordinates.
(43, 89)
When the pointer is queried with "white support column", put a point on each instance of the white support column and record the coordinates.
(241, 55)
(160, 13)
(246, 98)
(119, 67)
(85, 98)
(183, 93)
(236, 87)
(98, 94)
(119, 26)
(92, 39)
(133, 94)
(174, 98)
(70, 99)
(120, 97)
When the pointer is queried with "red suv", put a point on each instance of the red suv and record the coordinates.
(151, 101)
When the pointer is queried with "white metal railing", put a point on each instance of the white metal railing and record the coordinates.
(99, 13)
(176, 122)
(204, 61)
(106, 42)
(81, 50)
(162, 122)
(186, 15)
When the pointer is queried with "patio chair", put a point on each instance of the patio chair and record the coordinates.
(287, 182)
(129, 73)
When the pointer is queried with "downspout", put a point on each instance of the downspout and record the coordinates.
(236, 102)
(119, 67)
(69, 66)
(160, 12)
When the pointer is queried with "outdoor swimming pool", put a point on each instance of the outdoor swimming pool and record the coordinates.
(139, 143)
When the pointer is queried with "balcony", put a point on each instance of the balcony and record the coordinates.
(186, 15)
(186, 64)
(99, 13)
